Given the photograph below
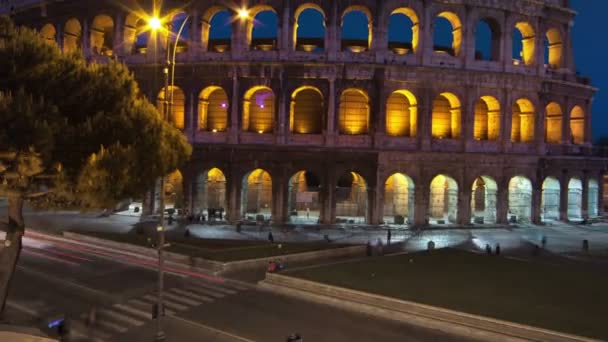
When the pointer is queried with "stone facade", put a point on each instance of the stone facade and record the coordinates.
(478, 123)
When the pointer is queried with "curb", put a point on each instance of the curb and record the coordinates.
(429, 317)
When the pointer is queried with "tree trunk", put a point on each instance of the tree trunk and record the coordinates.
(9, 253)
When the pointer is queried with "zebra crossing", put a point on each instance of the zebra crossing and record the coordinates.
(135, 312)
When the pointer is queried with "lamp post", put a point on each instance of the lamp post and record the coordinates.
(156, 24)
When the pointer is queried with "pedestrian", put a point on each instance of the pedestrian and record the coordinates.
(307, 212)
(543, 241)
(270, 237)
(368, 248)
(488, 249)
(388, 237)
(497, 249)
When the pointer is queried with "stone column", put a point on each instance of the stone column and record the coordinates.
(506, 121)
(284, 32)
(327, 192)
(119, 35)
(425, 118)
(467, 119)
(373, 196)
(333, 44)
(502, 205)
(536, 202)
(190, 117)
(588, 140)
(464, 206)
(195, 41)
(421, 203)
(330, 134)
(86, 38)
(188, 183)
(279, 198)
(380, 40)
(585, 195)
(233, 198)
(426, 34)
(233, 129)
(600, 193)
(563, 197)
(59, 36)
(283, 123)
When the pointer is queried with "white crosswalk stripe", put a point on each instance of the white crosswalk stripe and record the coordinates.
(204, 291)
(88, 333)
(211, 287)
(134, 311)
(181, 299)
(167, 303)
(120, 317)
(191, 295)
(148, 307)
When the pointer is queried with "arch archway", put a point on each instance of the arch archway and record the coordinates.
(443, 203)
(72, 36)
(398, 199)
(354, 112)
(520, 199)
(102, 35)
(522, 121)
(256, 195)
(401, 114)
(177, 102)
(263, 28)
(575, 199)
(524, 44)
(217, 29)
(174, 190)
(49, 34)
(351, 199)
(306, 111)
(403, 31)
(593, 194)
(446, 116)
(309, 30)
(210, 195)
(577, 125)
(356, 29)
(487, 40)
(550, 200)
(447, 33)
(136, 34)
(554, 48)
(483, 200)
(258, 110)
(553, 123)
(213, 109)
(304, 204)
(486, 125)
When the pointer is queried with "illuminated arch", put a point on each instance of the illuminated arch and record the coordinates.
(306, 111)
(256, 195)
(401, 114)
(554, 48)
(213, 109)
(177, 102)
(593, 193)
(174, 190)
(255, 40)
(354, 112)
(308, 42)
(550, 199)
(575, 199)
(553, 123)
(136, 34)
(351, 198)
(446, 116)
(484, 200)
(216, 29)
(522, 126)
(524, 43)
(443, 203)
(520, 199)
(356, 44)
(209, 195)
(102, 35)
(304, 201)
(398, 199)
(577, 125)
(400, 45)
(486, 124)
(258, 110)
(72, 36)
(456, 35)
(487, 27)
(49, 34)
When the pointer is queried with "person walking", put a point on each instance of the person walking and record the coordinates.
(388, 237)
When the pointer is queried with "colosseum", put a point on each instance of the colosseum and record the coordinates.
(294, 119)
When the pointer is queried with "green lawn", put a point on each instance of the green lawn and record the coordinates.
(217, 249)
(563, 298)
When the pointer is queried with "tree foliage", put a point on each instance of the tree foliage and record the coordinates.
(89, 124)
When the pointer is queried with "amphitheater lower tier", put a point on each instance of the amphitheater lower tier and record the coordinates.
(306, 185)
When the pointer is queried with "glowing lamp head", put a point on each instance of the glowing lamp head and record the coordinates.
(243, 13)
(224, 105)
(261, 132)
(262, 106)
(155, 23)
(214, 130)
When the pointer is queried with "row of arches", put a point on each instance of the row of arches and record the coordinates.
(305, 195)
(261, 24)
(308, 108)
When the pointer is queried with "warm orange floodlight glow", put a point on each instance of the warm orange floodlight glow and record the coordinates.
(244, 13)
(155, 23)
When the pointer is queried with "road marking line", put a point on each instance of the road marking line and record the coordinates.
(134, 311)
(191, 295)
(149, 306)
(121, 317)
(211, 287)
(186, 301)
(85, 336)
(167, 303)
(217, 331)
(204, 292)
(111, 326)
(22, 308)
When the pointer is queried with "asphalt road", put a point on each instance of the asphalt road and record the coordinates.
(57, 279)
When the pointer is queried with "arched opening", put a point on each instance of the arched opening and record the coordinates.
(593, 193)
(403, 31)
(351, 199)
(210, 195)
(483, 200)
(136, 35)
(575, 199)
(356, 29)
(263, 29)
(444, 200)
(213, 109)
(102, 36)
(486, 125)
(217, 29)
(447, 33)
(401, 114)
(49, 34)
(304, 204)
(72, 36)
(523, 43)
(398, 199)
(446, 117)
(258, 110)
(176, 103)
(487, 40)
(520, 200)
(174, 190)
(553, 123)
(550, 199)
(522, 121)
(309, 30)
(577, 125)
(553, 48)
(306, 111)
(354, 112)
(256, 195)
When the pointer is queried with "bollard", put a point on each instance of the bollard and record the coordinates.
(585, 245)
(430, 245)
(544, 241)
(488, 249)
